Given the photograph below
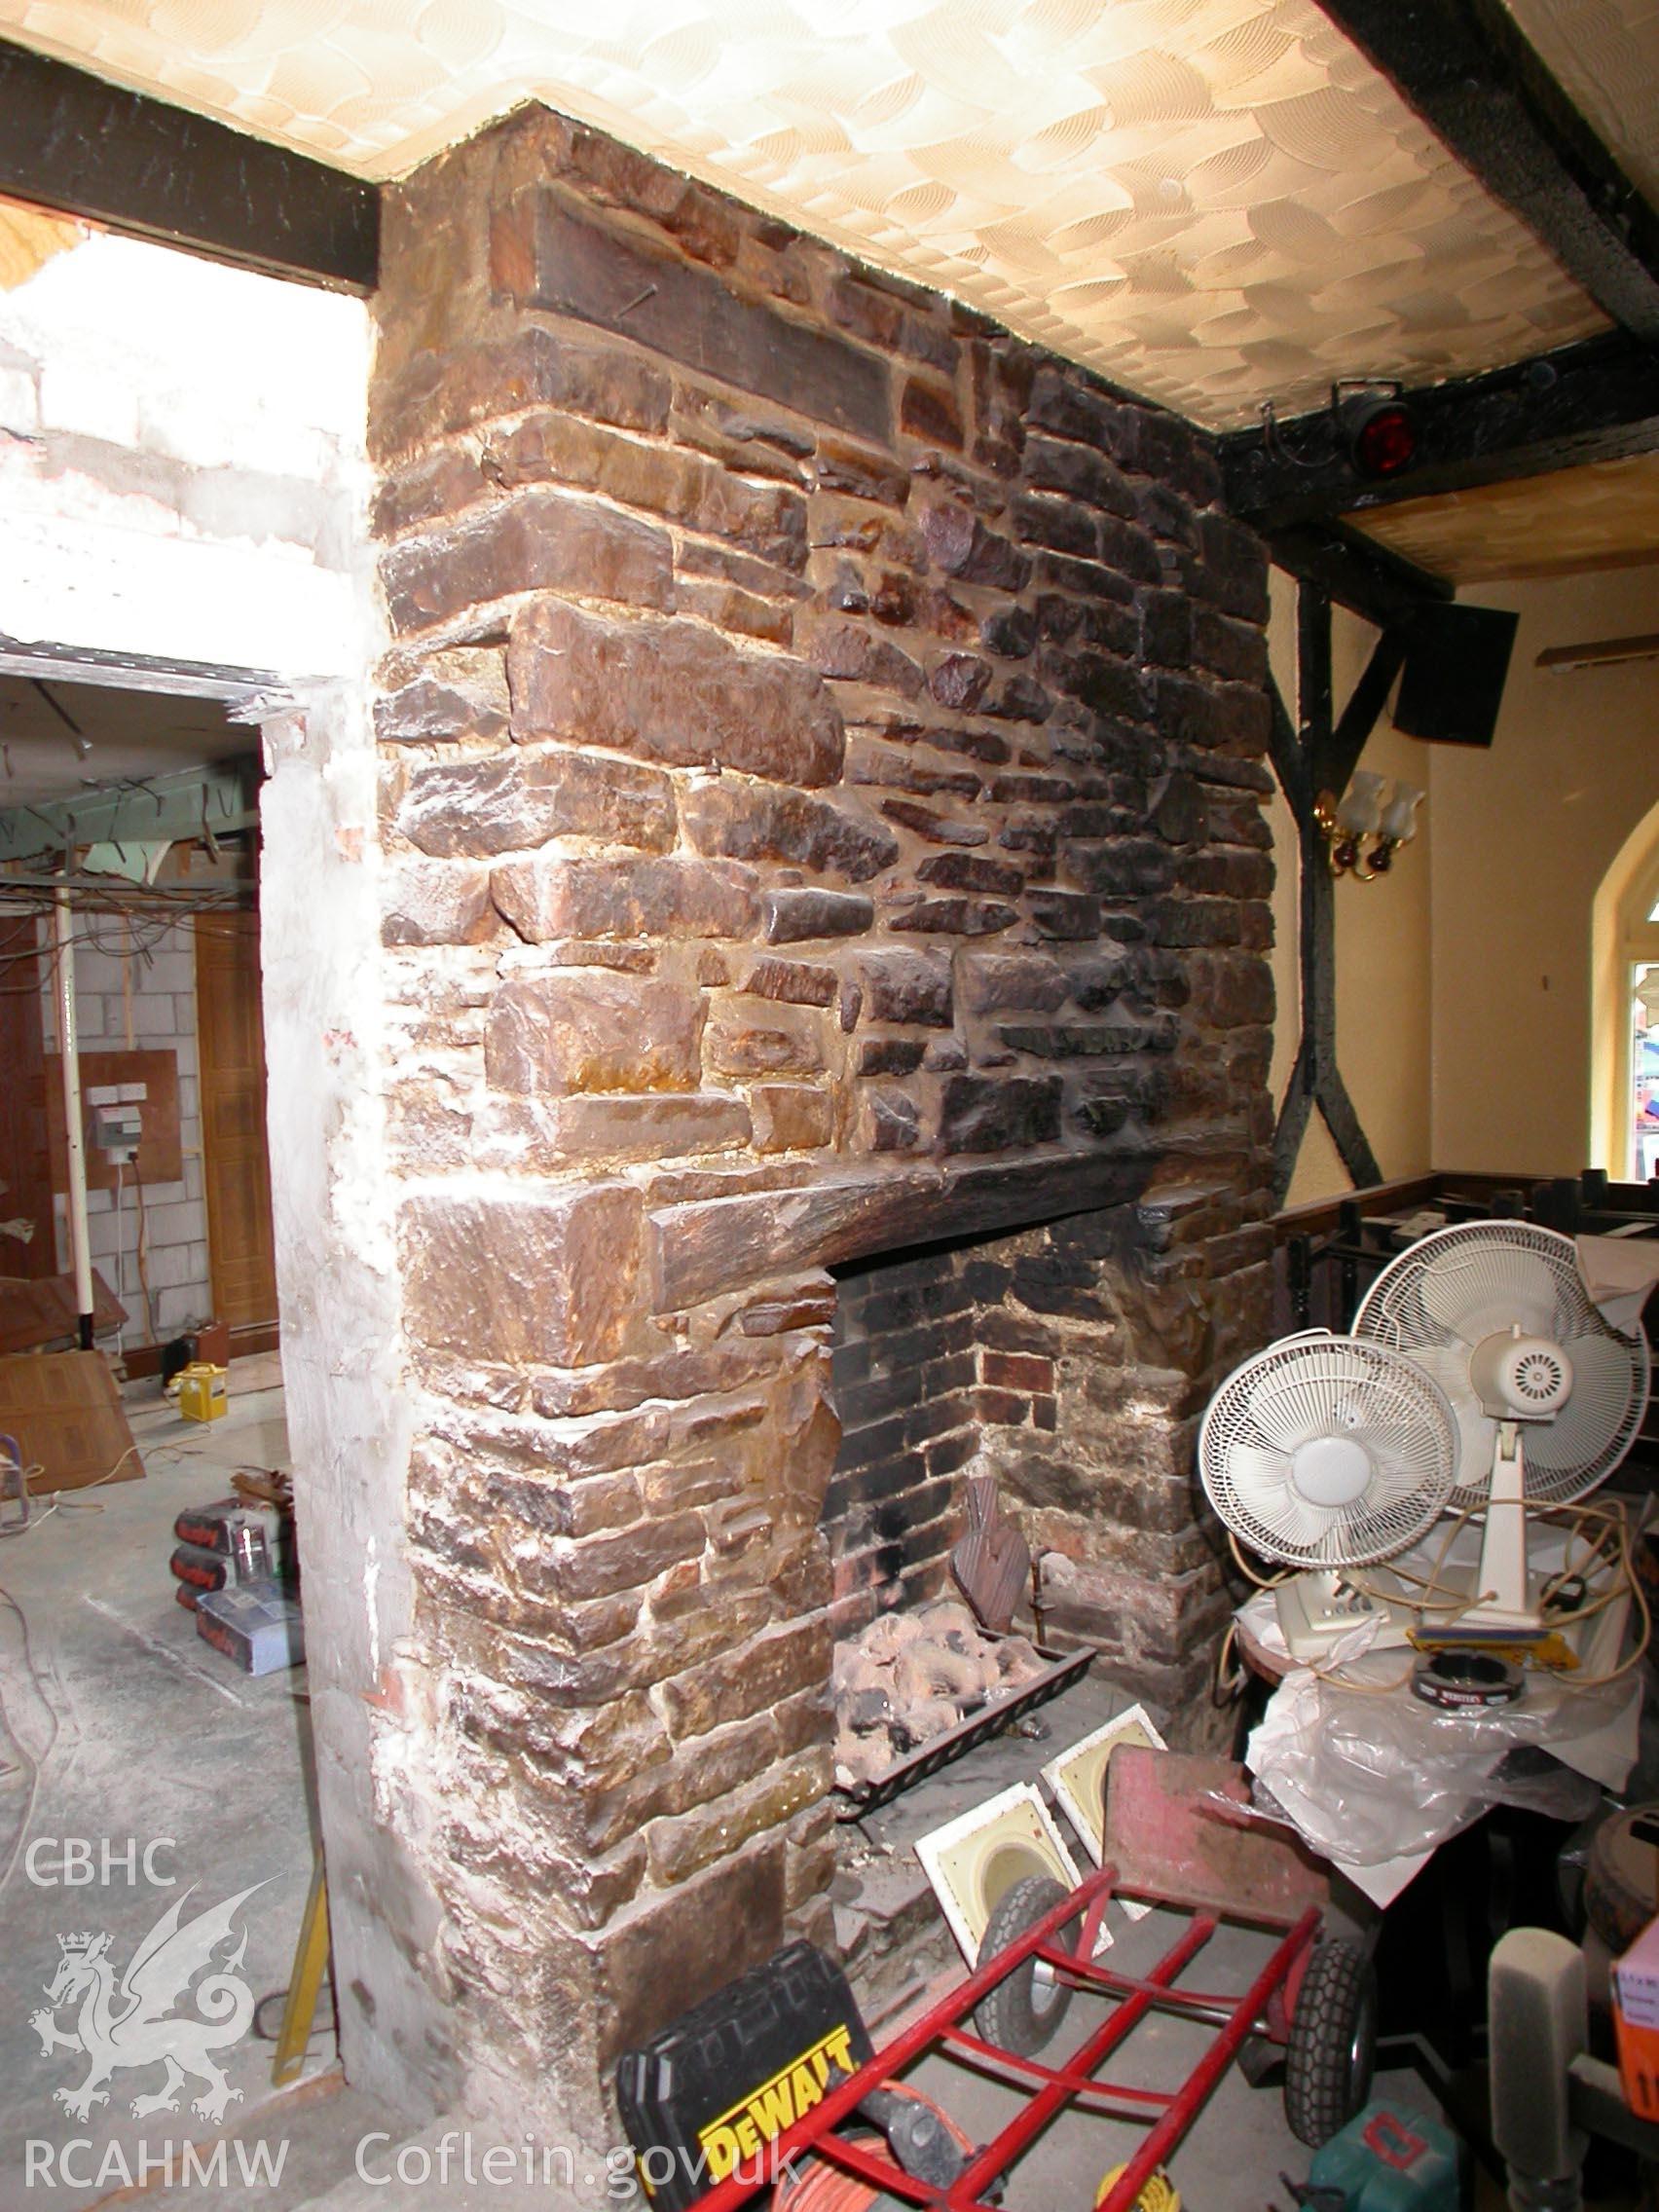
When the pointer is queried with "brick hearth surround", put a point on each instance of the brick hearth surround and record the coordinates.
(821, 752)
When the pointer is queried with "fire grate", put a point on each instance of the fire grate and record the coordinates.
(862, 1797)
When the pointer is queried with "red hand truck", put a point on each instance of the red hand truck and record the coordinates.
(1178, 1834)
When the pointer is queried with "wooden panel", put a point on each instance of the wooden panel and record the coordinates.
(26, 1173)
(160, 1158)
(66, 1413)
(42, 1311)
(231, 1040)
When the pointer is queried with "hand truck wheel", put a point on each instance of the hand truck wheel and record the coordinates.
(1333, 2042)
(1028, 2005)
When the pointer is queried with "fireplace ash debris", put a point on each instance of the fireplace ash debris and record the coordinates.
(909, 1676)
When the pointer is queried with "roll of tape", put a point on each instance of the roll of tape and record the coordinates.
(1466, 1681)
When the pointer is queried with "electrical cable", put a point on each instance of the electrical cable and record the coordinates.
(815, 2184)
(141, 1254)
(35, 1764)
(1615, 1525)
(65, 1501)
(1273, 442)
(1226, 1686)
(1261, 1581)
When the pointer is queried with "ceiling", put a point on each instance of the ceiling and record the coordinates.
(1605, 516)
(1604, 53)
(131, 734)
(1215, 203)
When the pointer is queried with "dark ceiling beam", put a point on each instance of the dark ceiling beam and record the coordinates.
(1594, 402)
(72, 143)
(1382, 586)
(1469, 72)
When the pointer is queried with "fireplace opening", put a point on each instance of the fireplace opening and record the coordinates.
(1016, 1385)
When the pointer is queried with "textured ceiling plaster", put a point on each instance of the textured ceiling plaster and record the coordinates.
(1602, 516)
(1212, 201)
(1606, 55)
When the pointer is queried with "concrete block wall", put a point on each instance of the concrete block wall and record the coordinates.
(154, 983)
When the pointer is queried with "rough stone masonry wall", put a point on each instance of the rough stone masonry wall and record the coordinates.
(820, 779)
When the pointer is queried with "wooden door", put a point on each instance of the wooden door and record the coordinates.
(236, 1164)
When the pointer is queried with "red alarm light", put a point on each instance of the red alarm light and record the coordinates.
(1381, 433)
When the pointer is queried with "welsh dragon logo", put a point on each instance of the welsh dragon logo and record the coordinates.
(130, 2025)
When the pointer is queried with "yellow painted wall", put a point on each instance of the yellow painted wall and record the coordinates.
(1522, 837)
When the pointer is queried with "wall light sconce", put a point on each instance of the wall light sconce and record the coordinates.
(1367, 826)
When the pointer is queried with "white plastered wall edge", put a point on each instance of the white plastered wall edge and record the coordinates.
(183, 485)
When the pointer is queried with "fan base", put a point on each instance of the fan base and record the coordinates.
(1316, 1608)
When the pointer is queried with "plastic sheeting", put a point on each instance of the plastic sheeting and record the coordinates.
(1375, 1780)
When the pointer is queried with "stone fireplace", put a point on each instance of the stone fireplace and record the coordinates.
(825, 1027)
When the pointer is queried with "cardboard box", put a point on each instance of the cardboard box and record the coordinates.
(1636, 2018)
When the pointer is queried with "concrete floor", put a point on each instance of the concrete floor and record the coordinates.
(119, 1726)
(1230, 2163)
(1240, 2144)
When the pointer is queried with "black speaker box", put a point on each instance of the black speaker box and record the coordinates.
(1456, 660)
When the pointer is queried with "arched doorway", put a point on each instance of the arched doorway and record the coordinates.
(1625, 1062)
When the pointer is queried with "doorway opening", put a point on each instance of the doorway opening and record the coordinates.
(151, 1744)
(1625, 1020)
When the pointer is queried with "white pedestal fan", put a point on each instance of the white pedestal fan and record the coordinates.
(1547, 1396)
(1327, 1453)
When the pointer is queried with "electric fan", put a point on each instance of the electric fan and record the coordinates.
(1327, 1453)
(1497, 1312)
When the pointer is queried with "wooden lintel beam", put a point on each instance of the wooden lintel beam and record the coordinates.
(1468, 70)
(1594, 402)
(71, 141)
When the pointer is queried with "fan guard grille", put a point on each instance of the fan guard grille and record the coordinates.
(1315, 1385)
(1458, 1285)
